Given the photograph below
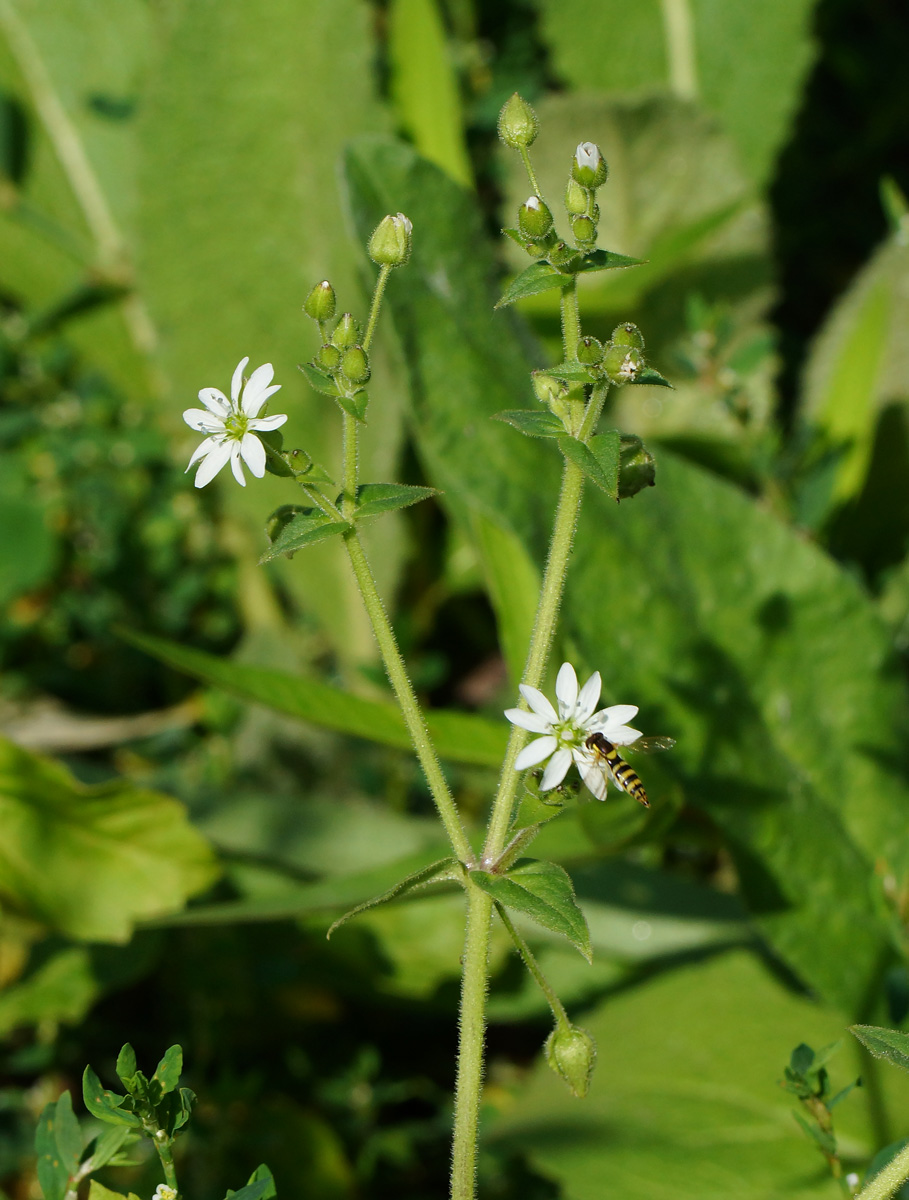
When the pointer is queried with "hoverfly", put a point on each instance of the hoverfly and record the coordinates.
(609, 764)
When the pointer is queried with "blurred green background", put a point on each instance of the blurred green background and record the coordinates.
(174, 177)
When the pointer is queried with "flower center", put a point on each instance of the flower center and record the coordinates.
(568, 734)
(235, 425)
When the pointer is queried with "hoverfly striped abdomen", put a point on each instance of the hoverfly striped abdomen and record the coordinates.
(625, 776)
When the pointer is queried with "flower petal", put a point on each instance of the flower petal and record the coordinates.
(203, 420)
(616, 714)
(200, 451)
(257, 390)
(621, 735)
(595, 778)
(538, 749)
(538, 702)
(253, 454)
(214, 460)
(566, 689)
(531, 721)
(556, 769)
(263, 423)
(215, 401)
(235, 465)
(237, 381)
(588, 698)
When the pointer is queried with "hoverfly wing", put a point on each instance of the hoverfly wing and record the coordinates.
(596, 775)
(650, 745)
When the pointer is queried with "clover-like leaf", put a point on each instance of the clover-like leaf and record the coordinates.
(303, 529)
(544, 892)
(538, 277)
(533, 424)
(442, 871)
(375, 498)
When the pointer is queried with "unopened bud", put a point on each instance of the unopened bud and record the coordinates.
(391, 241)
(627, 334)
(575, 198)
(589, 167)
(347, 333)
(328, 358)
(637, 469)
(320, 303)
(355, 364)
(518, 123)
(546, 389)
(534, 218)
(584, 230)
(572, 1053)
(623, 364)
(590, 350)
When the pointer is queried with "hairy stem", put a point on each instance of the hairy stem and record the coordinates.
(471, 1040)
(886, 1182)
(531, 174)
(530, 962)
(377, 295)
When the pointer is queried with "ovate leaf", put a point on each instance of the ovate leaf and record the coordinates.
(304, 529)
(538, 277)
(543, 892)
(375, 498)
(533, 424)
(601, 471)
(445, 870)
(91, 861)
(651, 376)
(320, 381)
(169, 1069)
(105, 1104)
(606, 260)
(889, 1044)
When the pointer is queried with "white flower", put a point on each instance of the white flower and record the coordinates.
(533, 203)
(588, 155)
(564, 733)
(232, 425)
(164, 1192)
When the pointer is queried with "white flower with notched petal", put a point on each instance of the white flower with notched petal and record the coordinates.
(164, 1192)
(232, 425)
(564, 733)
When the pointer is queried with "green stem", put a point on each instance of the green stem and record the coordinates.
(406, 698)
(533, 967)
(531, 174)
(167, 1162)
(571, 321)
(349, 497)
(377, 295)
(887, 1180)
(471, 1039)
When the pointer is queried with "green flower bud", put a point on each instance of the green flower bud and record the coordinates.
(590, 350)
(355, 364)
(572, 1054)
(328, 358)
(546, 389)
(320, 303)
(518, 123)
(561, 253)
(622, 364)
(575, 198)
(584, 230)
(636, 466)
(391, 241)
(347, 333)
(627, 334)
(534, 218)
(589, 166)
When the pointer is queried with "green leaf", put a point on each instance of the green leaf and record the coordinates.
(375, 498)
(606, 260)
(538, 277)
(261, 1175)
(319, 380)
(169, 1069)
(58, 1143)
(62, 989)
(650, 376)
(424, 86)
(104, 1104)
(445, 870)
(825, 1140)
(355, 405)
(637, 469)
(513, 582)
(889, 1044)
(533, 424)
(782, 698)
(601, 468)
(127, 1068)
(695, 1102)
(91, 861)
(108, 1145)
(457, 736)
(543, 892)
(646, 47)
(303, 529)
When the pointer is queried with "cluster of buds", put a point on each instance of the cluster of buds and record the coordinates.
(341, 356)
